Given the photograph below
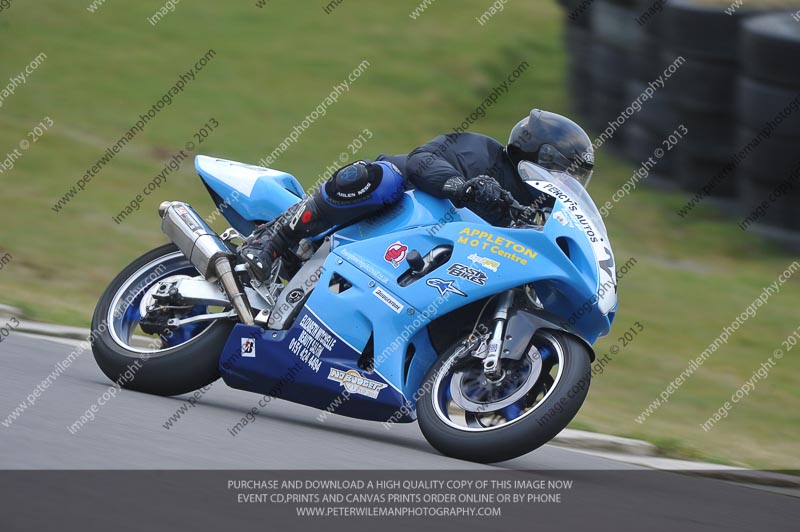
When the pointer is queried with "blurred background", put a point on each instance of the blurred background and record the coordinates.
(85, 71)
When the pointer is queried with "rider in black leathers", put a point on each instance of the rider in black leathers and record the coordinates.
(469, 169)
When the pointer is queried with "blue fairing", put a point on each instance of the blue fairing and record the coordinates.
(308, 364)
(326, 351)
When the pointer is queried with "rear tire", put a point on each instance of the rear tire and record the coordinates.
(172, 371)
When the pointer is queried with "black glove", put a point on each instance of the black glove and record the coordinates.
(454, 189)
(484, 189)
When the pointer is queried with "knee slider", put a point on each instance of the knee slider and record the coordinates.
(352, 177)
(353, 183)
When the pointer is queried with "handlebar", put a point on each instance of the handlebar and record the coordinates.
(519, 212)
(512, 203)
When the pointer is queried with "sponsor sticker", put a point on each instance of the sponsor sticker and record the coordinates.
(188, 219)
(354, 382)
(396, 254)
(489, 264)
(562, 218)
(248, 347)
(364, 265)
(574, 211)
(388, 300)
(497, 245)
(444, 286)
(313, 341)
(468, 274)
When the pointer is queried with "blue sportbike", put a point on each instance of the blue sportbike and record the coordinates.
(423, 312)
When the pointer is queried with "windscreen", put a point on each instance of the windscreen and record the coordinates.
(569, 185)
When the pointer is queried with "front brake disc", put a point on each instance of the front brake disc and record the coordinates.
(474, 392)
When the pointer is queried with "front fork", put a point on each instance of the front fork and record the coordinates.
(491, 364)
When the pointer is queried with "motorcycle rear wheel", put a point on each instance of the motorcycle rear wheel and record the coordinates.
(168, 364)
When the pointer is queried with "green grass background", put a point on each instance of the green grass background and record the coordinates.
(273, 67)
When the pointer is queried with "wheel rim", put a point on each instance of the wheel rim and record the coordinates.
(507, 410)
(124, 313)
(472, 391)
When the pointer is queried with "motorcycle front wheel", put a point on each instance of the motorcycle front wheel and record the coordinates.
(468, 416)
(173, 362)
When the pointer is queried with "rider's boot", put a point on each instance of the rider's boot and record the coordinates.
(352, 192)
(269, 241)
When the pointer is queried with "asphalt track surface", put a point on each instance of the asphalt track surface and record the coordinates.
(128, 433)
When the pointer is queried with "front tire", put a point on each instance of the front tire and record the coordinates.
(553, 400)
(171, 364)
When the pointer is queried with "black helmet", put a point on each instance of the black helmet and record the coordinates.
(554, 142)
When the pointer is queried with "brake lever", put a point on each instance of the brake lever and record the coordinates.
(526, 215)
(511, 202)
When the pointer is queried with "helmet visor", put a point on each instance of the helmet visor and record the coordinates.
(551, 158)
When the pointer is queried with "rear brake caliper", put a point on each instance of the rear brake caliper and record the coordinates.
(159, 304)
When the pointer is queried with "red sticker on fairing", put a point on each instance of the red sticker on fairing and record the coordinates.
(395, 254)
(306, 217)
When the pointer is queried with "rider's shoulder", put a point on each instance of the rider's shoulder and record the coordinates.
(470, 136)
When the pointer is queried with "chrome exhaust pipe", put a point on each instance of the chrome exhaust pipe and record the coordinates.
(234, 290)
(205, 250)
